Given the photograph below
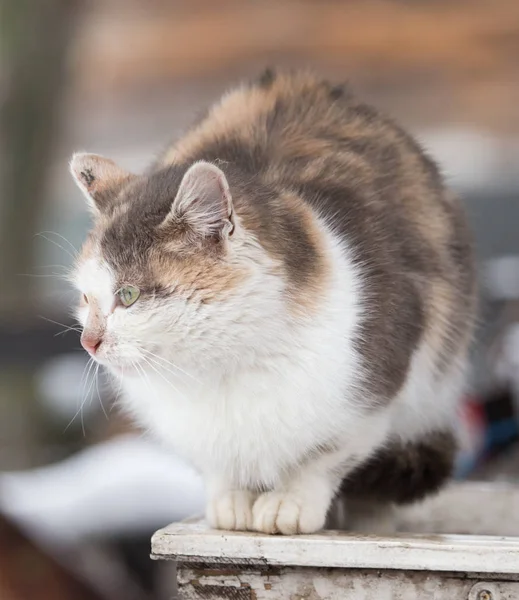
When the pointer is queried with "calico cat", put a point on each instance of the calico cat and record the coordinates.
(287, 297)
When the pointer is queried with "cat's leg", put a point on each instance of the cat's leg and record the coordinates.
(302, 500)
(228, 508)
(300, 508)
(301, 503)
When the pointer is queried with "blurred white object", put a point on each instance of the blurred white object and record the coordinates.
(501, 277)
(502, 284)
(66, 385)
(469, 158)
(125, 486)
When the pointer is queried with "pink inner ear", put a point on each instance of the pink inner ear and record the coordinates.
(204, 200)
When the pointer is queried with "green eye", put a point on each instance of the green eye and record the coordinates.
(128, 295)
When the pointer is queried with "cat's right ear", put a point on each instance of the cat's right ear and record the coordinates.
(99, 178)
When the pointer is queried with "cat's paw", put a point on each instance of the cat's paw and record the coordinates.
(287, 513)
(231, 510)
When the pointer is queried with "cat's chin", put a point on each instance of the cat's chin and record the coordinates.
(123, 370)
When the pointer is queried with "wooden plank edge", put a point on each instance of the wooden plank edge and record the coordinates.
(453, 553)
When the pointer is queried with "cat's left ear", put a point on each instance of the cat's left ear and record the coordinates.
(204, 202)
(99, 178)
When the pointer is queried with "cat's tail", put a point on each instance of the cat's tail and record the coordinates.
(404, 472)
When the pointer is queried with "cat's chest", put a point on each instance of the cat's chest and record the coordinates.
(238, 429)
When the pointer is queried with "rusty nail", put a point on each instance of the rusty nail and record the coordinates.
(484, 595)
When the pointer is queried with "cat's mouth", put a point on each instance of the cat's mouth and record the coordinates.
(121, 367)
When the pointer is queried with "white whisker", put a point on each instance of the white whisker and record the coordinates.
(83, 383)
(146, 379)
(89, 394)
(163, 377)
(86, 373)
(170, 364)
(71, 245)
(45, 275)
(119, 392)
(72, 256)
(161, 366)
(64, 267)
(98, 394)
(67, 327)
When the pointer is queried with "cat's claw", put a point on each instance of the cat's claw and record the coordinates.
(231, 510)
(287, 513)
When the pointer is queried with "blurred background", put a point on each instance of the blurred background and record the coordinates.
(80, 490)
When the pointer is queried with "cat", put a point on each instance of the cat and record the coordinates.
(287, 298)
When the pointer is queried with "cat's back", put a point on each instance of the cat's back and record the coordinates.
(345, 158)
(280, 118)
(297, 126)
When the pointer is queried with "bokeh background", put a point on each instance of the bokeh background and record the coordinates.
(80, 490)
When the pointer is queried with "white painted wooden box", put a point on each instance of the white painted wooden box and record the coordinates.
(464, 546)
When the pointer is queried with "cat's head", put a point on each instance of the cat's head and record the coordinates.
(169, 271)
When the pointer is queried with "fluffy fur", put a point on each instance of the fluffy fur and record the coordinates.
(306, 303)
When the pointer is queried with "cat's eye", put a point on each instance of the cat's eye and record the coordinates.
(128, 294)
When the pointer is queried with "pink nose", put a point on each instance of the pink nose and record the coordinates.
(91, 342)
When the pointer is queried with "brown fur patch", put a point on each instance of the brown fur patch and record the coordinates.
(88, 249)
(238, 112)
(404, 472)
(199, 277)
(289, 233)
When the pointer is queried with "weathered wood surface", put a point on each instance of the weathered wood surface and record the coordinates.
(193, 542)
(337, 584)
(336, 565)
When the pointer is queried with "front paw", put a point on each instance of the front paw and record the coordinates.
(231, 510)
(287, 513)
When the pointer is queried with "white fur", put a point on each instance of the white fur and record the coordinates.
(245, 396)
(428, 401)
(95, 279)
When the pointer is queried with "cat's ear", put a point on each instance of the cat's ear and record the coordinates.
(99, 178)
(204, 202)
